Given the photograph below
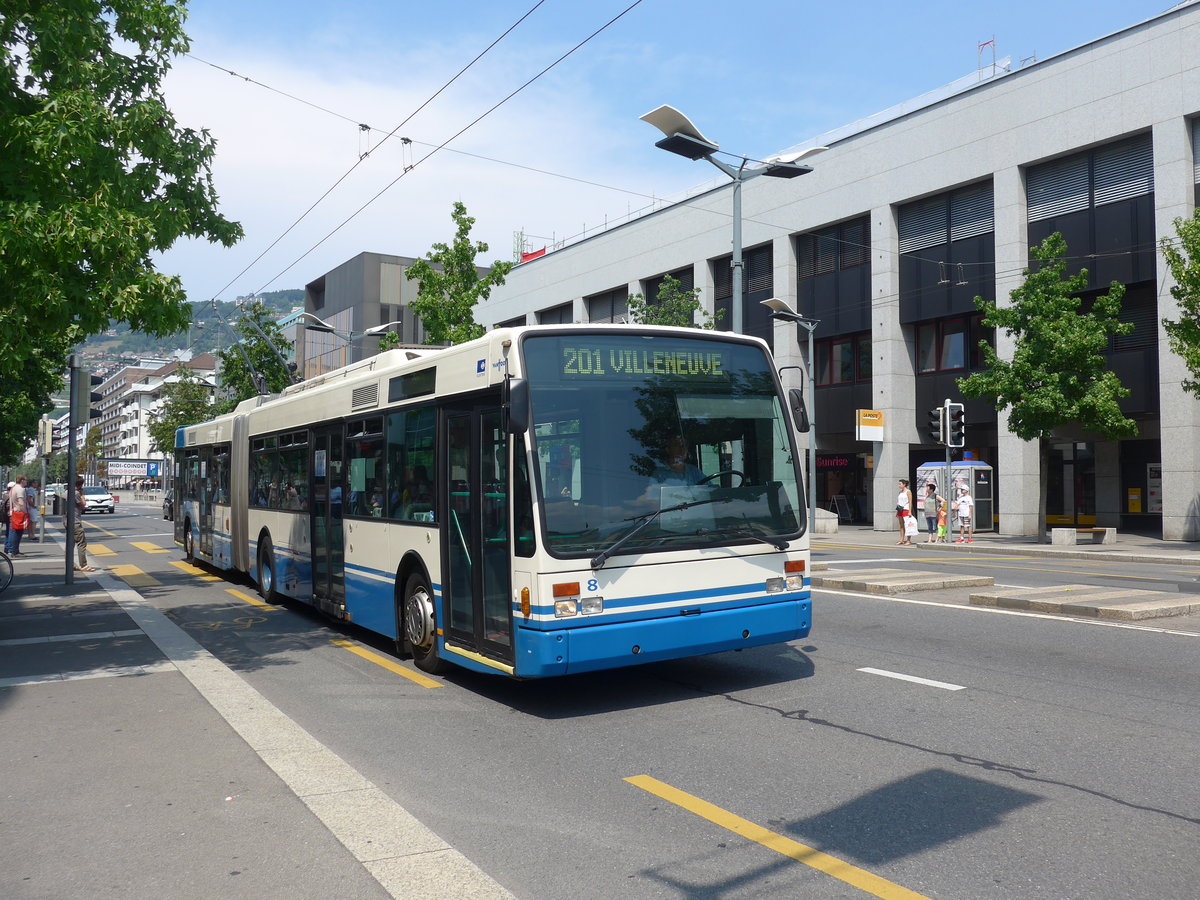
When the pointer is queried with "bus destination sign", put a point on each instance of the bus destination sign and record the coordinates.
(616, 361)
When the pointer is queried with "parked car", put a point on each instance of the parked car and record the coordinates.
(169, 506)
(98, 499)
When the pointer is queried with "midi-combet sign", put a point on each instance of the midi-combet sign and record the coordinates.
(133, 468)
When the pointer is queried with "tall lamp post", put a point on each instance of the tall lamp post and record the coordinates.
(684, 139)
(784, 313)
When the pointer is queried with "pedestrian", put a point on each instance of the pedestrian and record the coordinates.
(904, 501)
(33, 497)
(942, 517)
(964, 503)
(18, 516)
(80, 535)
(932, 502)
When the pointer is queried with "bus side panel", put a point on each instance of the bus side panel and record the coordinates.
(292, 548)
(222, 540)
(373, 552)
(568, 651)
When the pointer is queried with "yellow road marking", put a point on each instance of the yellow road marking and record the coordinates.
(100, 550)
(193, 570)
(101, 530)
(253, 601)
(822, 862)
(390, 664)
(133, 576)
(149, 547)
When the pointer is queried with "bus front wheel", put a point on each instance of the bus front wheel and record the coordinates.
(419, 629)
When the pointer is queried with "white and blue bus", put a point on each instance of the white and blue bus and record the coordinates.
(540, 501)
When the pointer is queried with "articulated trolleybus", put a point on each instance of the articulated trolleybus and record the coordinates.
(537, 502)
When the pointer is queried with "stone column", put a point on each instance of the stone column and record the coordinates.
(1017, 468)
(893, 380)
(1179, 410)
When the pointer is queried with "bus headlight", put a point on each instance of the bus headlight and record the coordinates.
(795, 582)
(775, 586)
(589, 606)
(566, 607)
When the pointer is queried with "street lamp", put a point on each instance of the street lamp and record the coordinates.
(316, 323)
(684, 139)
(784, 313)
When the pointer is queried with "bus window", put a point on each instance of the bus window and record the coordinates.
(364, 461)
(410, 465)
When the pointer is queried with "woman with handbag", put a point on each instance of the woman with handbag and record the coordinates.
(903, 511)
(18, 517)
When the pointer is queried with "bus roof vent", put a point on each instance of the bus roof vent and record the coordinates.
(365, 397)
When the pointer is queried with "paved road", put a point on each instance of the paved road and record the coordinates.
(907, 749)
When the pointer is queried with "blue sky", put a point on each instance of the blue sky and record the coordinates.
(565, 154)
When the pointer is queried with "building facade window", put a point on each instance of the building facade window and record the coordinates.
(557, 315)
(1102, 202)
(610, 306)
(952, 343)
(947, 253)
(834, 276)
(843, 360)
(758, 283)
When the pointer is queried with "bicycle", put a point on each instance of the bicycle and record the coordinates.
(6, 571)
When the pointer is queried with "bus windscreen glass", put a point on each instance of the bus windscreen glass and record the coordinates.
(686, 432)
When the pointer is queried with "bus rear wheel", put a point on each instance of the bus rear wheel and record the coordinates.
(266, 571)
(420, 632)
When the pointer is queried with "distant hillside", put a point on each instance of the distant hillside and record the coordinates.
(121, 345)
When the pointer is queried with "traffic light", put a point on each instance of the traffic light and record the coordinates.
(937, 424)
(83, 398)
(45, 436)
(956, 425)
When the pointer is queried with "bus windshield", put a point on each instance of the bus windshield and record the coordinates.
(658, 441)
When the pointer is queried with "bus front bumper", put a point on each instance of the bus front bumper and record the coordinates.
(593, 647)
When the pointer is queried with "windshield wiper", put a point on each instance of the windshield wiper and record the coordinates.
(645, 519)
(747, 531)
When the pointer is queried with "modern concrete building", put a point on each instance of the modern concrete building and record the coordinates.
(907, 216)
(364, 292)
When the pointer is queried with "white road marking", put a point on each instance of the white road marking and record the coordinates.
(996, 611)
(928, 682)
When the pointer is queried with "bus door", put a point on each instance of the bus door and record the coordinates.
(204, 497)
(476, 588)
(328, 542)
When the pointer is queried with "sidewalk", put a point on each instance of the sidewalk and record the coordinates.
(1129, 547)
(136, 765)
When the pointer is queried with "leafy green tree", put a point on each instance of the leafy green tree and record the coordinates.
(1058, 374)
(1183, 334)
(184, 402)
(258, 345)
(90, 453)
(388, 341)
(672, 306)
(450, 285)
(96, 177)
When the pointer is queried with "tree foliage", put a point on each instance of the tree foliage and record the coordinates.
(1058, 374)
(184, 402)
(96, 176)
(450, 285)
(1183, 334)
(258, 337)
(672, 306)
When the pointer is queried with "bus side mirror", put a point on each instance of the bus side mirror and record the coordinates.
(799, 410)
(516, 405)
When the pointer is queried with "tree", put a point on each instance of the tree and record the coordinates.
(1183, 334)
(96, 177)
(450, 285)
(260, 345)
(183, 402)
(672, 306)
(1058, 374)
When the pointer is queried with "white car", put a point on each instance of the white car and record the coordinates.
(98, 499)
